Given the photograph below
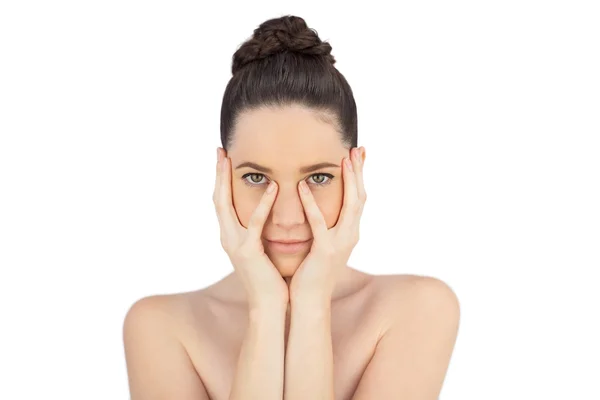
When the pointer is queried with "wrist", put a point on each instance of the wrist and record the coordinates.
(313, 305)
(266, 309)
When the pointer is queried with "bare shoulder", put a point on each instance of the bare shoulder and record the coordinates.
(406, 287)
(413, 353)
(405, 297)
(178, 314)
(165, 310)
(158, 364)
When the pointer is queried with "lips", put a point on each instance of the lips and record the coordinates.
(288, 246)
(288, 241)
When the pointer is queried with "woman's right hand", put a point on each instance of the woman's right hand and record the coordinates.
(264, 284)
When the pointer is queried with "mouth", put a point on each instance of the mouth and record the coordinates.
(287, 247)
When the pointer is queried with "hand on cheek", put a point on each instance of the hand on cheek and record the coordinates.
(315, 278)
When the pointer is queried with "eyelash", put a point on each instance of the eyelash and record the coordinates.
(329, 176)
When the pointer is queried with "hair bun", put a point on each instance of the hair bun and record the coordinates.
(277, 35)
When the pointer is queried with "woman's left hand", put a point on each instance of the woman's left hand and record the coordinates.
(315, 278)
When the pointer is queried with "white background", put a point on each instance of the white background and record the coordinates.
(481, 122)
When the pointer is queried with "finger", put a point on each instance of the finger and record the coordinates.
(225, 211)
(351, 204)
(357, 164)
(260, 214)
(313, 213)
(217, 175)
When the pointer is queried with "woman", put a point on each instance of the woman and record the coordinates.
(293, 320)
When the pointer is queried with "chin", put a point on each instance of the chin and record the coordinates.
(286, 265)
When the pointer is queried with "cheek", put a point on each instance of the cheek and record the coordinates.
(330, 203)
(245, 201)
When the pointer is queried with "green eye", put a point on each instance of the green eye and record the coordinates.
(325, 179)
(256, 179)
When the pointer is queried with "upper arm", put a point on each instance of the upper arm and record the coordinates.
(412, 357)
(158, 366)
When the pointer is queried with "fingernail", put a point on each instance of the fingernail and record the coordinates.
(271, 187)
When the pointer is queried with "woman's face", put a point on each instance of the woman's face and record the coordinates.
(282, 144)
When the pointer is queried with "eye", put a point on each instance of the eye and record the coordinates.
(324, 179)
(256, 179)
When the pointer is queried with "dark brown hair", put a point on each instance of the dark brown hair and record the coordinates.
(286, 63)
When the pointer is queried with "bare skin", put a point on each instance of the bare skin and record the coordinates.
(213, 322)
(391, 335)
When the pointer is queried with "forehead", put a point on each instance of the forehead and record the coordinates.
(290, 134)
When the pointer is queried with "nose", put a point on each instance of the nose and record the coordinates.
(287, 210)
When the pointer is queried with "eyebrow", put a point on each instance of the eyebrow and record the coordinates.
(309, 168)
